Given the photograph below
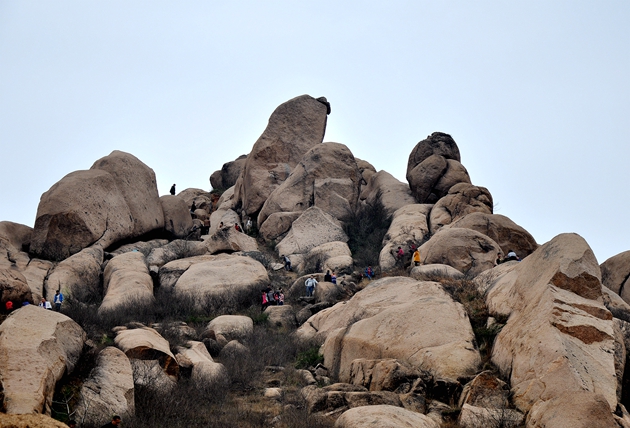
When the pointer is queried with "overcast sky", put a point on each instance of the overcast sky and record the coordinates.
(536, 94)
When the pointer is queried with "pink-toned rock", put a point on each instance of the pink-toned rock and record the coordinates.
(294, 127)
(327, 177)
(462, 199)
(559, 338)
(136, 181)
(466, 250)
(501, 230)
(37, 347)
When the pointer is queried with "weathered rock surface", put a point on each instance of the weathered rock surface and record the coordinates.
(474, 417)
(228, 174)
(146, 344)
(175, 250)
(334, 256)
(574, 409)
(434, 167)
(201, 198)
(126, 282)
(466, 250)
(615, 274)
(432, 272)
(366, 169)
(382, 374)
(206, 373)
(384, 187)
(29, 421)
(14, 237)
(223, 277)
(409, 226)
(383, 416)
(36, 273)
(462, 199)
(229, 240)
(559, 338)
(281, 316)
(342, 395)
(37, 347)
(501, 230)
(136, 181)
(374, 322)
(78, 275)
(277, 225)
(313, 228)
(226, 216)
(237, 327)
(109, 390)
(14, 287)
(294, 127)
(83, 208)
(327, 177)
(177, 218)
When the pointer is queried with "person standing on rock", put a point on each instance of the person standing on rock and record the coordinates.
(333, 278)
(511, 255)
(280, 299)
(58, 300)
(369, 272)
(310, 284)
(287, 262)
(416, 257)
(327, 277)
(400, 254)
(116, 421)
(173, 190)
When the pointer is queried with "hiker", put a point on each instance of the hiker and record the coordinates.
(8, 306)
(310, 284)
(116, 421)
(205, 229)
(280, 299)
(369, 273)
(265, 302)
(511, 255)
(237, 227)
(248, 226)
(327, 277)
(271, 298)
(416, 257)
(173, 190)
(58, 300)
(45, 304)
(287, 263)
(333, 278)
(499, 258)
(400, 253)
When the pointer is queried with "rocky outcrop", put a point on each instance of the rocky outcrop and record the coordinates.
(434, 272)
(174, 250)
(228, 174)
(385, 416)
(409, 226)
(109, 390)
(36, 273)
(83, 208)
(327, 177)
(14, 237)
(384, 188)
(228, 240)
(222, 278)
(615, 274)
(237, 327)
(575, 409)
(333, 256)
(313, 228)
(205, 372)
(466, 250)
(501, 230)
(367, 170)
(462, 199)
(201, 198)
(436, 331)
(146, 344)
(14, 287)
(281, 316)
(78, 276)
(294, 128)
(277, 225)
(177, 219)
(559, 338)
(37, 347)
(126, 282)
(136, 181)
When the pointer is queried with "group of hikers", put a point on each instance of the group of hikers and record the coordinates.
(272, 298)
(44, 304)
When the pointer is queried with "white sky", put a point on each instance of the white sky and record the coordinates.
(536, 94)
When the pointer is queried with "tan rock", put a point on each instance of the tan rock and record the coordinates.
(226, 216)
(201, 198)
(313, 228)
(438, 143)
(615, 274)
(462, 199)
(277, 225)
(109, 390)
(226, 200)
(136, 181)
(82, 208)
(37, 347)
(36, 273)
(501, 230)
(574, 409)
(177, 218)
(409, 226)
(466, 250)
(228, 174)
(486, 390)
(559, 337)
(224, 277)
(383, 416)
(78, 276)
(391, 192)
(372, 323)
(366, 169)
(171, 271)
(29, 421)
(14, 236)
(206, 373)
(433, 272)
(146, 344)
(237, 327)
(294, 127)
(175, 250)
(229, 240)
(126, 282)
(14, 287)
(326, 177)
(334, 256)
(281, 316)
(381, 374)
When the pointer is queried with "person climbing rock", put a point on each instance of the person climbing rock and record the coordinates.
(173, 190)
(310, 284)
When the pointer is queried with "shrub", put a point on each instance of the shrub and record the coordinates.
(309, 358)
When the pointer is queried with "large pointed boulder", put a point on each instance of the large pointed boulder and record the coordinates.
(327, 177)
(294, 127)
